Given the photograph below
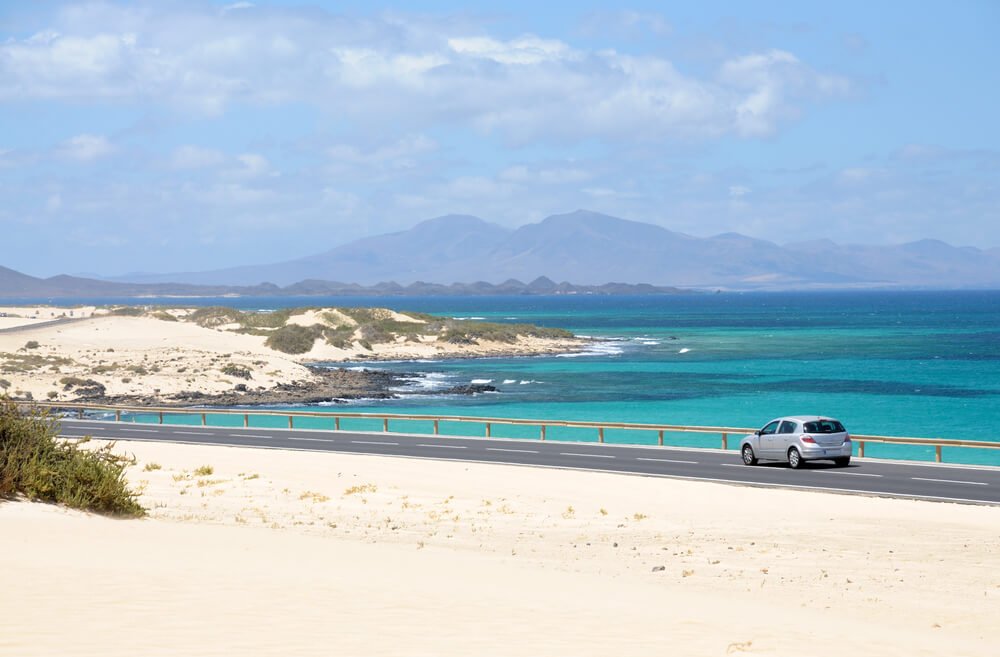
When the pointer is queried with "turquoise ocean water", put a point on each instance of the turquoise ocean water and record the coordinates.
(924, 364)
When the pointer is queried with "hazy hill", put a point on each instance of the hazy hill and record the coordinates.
(589, 248)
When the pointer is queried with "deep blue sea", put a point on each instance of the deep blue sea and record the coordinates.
(923, 364)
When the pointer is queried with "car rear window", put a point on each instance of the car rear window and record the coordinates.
(824, 426)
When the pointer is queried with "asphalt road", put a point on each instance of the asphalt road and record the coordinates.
(864, 476)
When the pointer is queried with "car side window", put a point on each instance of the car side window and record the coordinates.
(787, 427)
(769, 429)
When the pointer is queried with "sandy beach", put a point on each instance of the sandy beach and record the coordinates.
(266, 552)
(164, 356)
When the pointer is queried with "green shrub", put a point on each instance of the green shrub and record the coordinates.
(129, 311)
(460, 332)
(216, 316)
(164, 316)
(235, 370)
(294, 339)
(4, 384)
(35, 463)
(271, 320)
(31, 344)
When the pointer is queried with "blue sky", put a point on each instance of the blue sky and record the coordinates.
(173, 136)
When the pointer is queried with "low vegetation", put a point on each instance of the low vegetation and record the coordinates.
(35, 463)
(294, 339)
(472, 332)
(235, 370)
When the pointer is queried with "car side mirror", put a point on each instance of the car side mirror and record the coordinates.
(757, 432)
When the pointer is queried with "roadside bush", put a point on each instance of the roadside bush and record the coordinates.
(294, 339)
(31, 344)
(35, 463)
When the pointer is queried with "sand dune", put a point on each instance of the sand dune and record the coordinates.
(282, 552)
(149, 356)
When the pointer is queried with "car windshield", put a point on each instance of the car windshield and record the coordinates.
(824, 426)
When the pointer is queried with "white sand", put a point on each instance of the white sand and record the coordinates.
(281, 552)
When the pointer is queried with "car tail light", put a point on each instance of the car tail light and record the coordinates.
(808, 439)
(847, 438)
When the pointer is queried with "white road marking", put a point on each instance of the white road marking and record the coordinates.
(853, 474)
(371, 442)
(593, 456)
(733, 465)
(501, 449)
(444, 446)
(315, 440)
(194, 433)
(642, 458)
(247, 435)
(141, 430)
(952, 481)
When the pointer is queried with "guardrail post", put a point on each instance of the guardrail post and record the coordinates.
(600, 434)
(336, 424)
(204, 420)
(291, 423)
(246, 420)
(937, 453)
(436, 428)
(660, 437)
(489, 430)
(385, 425)
(725, 441)
(118, 416)
(861, 449)
(79, 414)
(542, 435)
(161, 417)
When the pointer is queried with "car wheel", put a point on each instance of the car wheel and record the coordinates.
(843, 461)
(749, 458)
(794, 458)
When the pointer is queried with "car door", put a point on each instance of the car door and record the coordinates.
(786, 436)
(767, 436)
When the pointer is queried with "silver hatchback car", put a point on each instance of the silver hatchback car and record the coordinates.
(797, 440)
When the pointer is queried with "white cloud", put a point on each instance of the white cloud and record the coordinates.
(86, 147)
(195, 157)
(418, 74)
(738, 191)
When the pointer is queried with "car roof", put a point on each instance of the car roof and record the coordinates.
(806, 418)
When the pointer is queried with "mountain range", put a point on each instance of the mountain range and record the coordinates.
(589, 248)
(462, 254)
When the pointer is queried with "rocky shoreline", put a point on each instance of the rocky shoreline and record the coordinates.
(340, 385)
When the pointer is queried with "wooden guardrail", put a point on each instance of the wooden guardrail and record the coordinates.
(488, 422)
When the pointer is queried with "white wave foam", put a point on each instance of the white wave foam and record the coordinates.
(424, 382)
(606, 348)
(481, 381)
(473, 317)
(509, 381)
(684, 350)
(526, 382)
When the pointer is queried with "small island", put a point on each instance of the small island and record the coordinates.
(155, 355)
